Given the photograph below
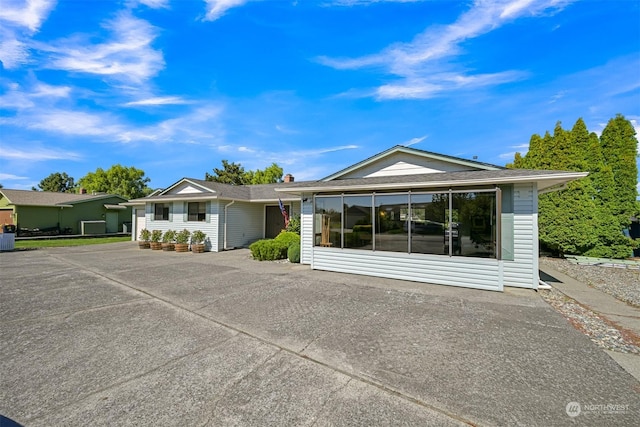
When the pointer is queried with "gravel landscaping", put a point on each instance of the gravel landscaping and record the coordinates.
(621, 283)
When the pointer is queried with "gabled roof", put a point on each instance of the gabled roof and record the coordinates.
(214, 190)
(50, 198)
(545, 179)
(416, 152)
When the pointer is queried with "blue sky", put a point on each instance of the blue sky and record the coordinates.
(174, 86)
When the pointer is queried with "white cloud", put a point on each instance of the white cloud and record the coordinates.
(414, 141)
(71, 122)
(196, 127)
(13, 52)
(27, 13)
(18, 98)
(36, 154)
(11, 177)
(166, 100)
(44, 90)
(216, 8)
(155, 4)
(127, 56)
(366, 2)
(422, 65)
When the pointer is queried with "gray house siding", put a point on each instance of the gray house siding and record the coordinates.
(306, 230)
(178, 221)
(245, 223)
(476, 273)
(522, 272)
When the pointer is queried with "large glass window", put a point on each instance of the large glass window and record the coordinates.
(451, 223)
(328, 221)
(357, 222)
(429, 223)
(196, 211)
(474, 224)
(392, 214)
(161, 212)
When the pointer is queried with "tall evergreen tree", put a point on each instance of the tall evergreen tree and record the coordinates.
(620, 148)
(587, 217)
(566, 218)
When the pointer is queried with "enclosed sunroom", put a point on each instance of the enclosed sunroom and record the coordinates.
(414, 215)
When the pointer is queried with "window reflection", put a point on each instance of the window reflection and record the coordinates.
(446, 223)
(391, 217)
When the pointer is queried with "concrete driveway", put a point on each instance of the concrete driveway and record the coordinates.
(113, 335)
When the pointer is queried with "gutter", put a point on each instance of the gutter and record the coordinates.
(344, 185)
(224, 247)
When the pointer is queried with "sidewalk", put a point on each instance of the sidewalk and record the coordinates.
(621, 313)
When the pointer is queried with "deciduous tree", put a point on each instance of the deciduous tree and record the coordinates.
(127, 182)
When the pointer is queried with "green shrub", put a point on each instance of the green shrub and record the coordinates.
(268, 250)
(182, 237)
(293, 253)
(145, 235)
(156, 236)
(294, 224)
(288, 237)
(169, 236)
(198, 237)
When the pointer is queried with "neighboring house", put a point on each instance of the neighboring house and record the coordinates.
(64, 213)
(404, 214)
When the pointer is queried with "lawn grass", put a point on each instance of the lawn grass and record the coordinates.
(56, 243)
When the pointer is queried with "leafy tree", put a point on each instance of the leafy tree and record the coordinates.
(269, 175)
(58, 183)
(127, 182)
(589, 216)
(231, 173)
(234, 174)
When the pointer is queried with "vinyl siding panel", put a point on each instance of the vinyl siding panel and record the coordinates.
(522, 272)
(405, 164)
(245, 223)
(178, 221)
(306, 230)
(478, 273)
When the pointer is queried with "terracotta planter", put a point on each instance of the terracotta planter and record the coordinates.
(156, 246)
(197, 248)
(182, 247)
(168, 247)
(144, 245)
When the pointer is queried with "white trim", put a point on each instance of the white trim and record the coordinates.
(435, 184)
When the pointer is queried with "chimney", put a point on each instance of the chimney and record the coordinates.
(83, 191)
(288, 178)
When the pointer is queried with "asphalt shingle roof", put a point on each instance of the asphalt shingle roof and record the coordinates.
(48, 198)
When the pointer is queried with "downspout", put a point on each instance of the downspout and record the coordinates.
(225, 225)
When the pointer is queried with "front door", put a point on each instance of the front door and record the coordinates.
(112, 222)
(274, 222)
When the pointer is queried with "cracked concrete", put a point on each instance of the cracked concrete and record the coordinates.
(111, 334)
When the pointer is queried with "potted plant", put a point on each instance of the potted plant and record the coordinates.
(182, 241)
(145, 236)
(156, 237)
(168, 240)
(197, 241)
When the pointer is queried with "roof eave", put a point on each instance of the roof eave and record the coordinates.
(434, 184)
